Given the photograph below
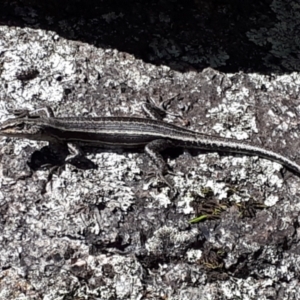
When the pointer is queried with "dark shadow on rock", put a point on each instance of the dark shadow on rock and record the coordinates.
(229, 36)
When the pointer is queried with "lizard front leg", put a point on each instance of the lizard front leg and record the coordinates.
(37, 113)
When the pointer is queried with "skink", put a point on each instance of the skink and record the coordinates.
(125, 132)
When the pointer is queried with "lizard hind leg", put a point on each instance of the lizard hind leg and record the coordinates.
(153, 150)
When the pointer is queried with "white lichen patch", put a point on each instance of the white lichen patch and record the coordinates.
(45, 58)
(271, 200)
(236, 116)
(193, 255)
(71, 195)
(156, 243)
(163, 199)
(252, 170)
(108, 181)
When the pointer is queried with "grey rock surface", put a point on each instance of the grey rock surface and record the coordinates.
(113, 233)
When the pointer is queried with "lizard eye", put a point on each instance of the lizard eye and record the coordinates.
(20, 126)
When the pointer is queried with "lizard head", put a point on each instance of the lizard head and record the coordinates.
(21, 127)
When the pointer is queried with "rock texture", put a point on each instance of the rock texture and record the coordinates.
(104, 229)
